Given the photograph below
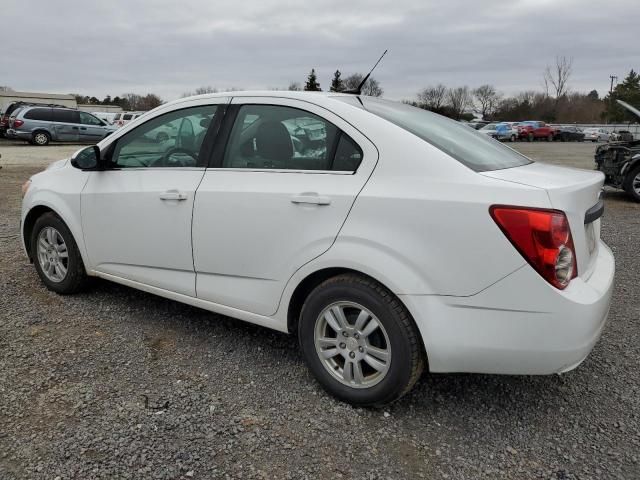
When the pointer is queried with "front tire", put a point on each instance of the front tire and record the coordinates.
(359, 341)
(632, 183)
(56, 256)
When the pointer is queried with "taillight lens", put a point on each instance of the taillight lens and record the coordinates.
(543, 238)
(17, 123)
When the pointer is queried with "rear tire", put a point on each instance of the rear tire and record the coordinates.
(359, 341)
(56, 256)
(631, 183)
(41, 139)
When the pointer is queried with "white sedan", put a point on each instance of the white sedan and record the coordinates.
(596, 135)
(396, 241)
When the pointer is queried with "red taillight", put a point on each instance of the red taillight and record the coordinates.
(17, 123)
(543, 238)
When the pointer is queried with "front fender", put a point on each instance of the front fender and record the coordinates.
(58, 191)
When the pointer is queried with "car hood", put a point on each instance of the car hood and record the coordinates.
(633, 110)
(57, 164)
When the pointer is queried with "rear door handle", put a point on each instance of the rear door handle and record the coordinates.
(311, 198)
(173, 195)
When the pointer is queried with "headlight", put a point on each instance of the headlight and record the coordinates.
(25, 187)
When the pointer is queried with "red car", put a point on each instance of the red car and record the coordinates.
(534, 130)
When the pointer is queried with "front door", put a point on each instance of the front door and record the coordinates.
(275, 200)
(137, 216)
(92, 129)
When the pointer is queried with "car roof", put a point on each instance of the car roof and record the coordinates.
(316, 97)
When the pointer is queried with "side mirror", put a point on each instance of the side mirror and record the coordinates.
(87, 158)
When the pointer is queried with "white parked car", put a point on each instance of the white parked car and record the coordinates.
(596, 135)
(388, 238)
(122, 118)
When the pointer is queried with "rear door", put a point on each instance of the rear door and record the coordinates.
(275, 199)
(66, 125)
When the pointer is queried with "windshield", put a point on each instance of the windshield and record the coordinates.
(476, 150)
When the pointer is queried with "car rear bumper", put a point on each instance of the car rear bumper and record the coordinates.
(519, 325)
(11, 133)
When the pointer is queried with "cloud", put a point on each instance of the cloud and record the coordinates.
(170, 47)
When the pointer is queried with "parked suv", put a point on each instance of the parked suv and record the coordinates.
(534, 130)
(41, 125)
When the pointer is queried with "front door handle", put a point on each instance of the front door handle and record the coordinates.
(173, 195)
(83, 128)
(311, 198)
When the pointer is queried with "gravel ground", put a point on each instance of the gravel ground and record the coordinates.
(116, 383)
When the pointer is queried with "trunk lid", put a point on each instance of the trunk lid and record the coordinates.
(571, 190)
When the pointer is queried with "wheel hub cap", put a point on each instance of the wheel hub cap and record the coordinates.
(53, 255)
(352, 344)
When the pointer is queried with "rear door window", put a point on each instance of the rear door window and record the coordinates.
(66, 116)
(285, 138)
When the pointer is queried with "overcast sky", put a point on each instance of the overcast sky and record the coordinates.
(169, 47)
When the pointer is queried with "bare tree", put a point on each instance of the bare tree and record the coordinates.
(557, 77)
(487, 100)
(4, 88)
(371, 87)
(432, 98)
(294, 86)
(458, 99)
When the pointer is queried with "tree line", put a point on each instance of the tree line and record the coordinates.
(556, 103)
(128, 101)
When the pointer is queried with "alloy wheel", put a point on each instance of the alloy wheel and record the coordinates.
(53, 254)
(40, 138)
(352, 344)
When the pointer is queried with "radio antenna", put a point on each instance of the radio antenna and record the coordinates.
(358, 91)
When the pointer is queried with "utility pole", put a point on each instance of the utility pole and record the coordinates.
(612, 77)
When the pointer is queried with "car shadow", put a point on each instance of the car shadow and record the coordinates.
(435, 395)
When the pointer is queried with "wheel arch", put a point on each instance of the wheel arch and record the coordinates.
(315, 278)
(35, 212)
(41, 130)
(28, 224)
(312, 280)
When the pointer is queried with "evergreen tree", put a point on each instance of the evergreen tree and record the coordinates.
(312, 84)
(628, 91)
(336, 83)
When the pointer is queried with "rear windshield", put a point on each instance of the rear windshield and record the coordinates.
(471, 148)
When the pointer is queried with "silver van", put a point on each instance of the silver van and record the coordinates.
(41, 125)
